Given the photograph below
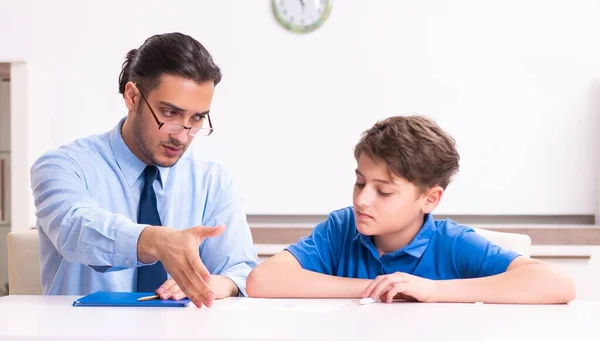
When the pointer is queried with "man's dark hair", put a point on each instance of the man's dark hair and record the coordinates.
(171, 53)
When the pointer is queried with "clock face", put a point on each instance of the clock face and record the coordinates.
(301, 16)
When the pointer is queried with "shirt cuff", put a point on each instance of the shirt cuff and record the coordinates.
(126, 245)
(238, 274)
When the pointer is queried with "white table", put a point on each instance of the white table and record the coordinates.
(53, 318)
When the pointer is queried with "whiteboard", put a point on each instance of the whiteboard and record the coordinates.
(521, 100)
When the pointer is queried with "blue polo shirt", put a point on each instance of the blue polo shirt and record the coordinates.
(441, 250)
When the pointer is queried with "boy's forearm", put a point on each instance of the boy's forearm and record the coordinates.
(527, 284)
(300, 283)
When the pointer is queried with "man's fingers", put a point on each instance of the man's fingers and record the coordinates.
(177, 293)
(202, 232)
(196, 275)
(168, 289)
(198, 267)
(174, 286)
(188, 289)
(182, 260)
(165, 286)
(202, 277)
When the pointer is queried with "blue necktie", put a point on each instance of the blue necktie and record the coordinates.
(150, 277)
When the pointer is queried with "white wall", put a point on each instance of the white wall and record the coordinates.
(516, 83)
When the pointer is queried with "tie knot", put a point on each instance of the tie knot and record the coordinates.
(150, 174)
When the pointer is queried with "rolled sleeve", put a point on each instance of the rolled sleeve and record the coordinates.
(238, 274)
(231, 254)
(80, 230)
(126, 245)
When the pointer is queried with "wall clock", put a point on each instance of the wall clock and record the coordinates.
(301, 16)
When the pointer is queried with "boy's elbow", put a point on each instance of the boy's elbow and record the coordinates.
(256, 283)
(549, 286)
(562, 292)
(567, 292)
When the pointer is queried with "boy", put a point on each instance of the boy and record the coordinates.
(388, 246)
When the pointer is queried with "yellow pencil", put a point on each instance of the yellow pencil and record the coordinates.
(147, 298)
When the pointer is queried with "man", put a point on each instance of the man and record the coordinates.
(123, 210)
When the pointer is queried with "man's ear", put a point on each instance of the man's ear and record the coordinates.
(431, 199)
(131, 95)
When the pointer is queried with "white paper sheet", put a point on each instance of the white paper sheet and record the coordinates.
(271, 304)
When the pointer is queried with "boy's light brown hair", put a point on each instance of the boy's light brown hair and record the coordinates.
(414, 148)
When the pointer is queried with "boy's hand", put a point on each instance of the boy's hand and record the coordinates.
(401, 286)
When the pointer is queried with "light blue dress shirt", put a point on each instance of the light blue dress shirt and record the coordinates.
(87, 194)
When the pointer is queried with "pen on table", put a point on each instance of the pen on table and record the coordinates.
(148, 298)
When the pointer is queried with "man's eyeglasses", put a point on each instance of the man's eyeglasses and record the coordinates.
(173, 128)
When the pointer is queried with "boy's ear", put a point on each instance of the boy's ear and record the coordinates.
(432, 198)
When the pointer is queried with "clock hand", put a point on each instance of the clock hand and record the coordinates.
(302, 3)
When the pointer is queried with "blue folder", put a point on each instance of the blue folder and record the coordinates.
(125, 299)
